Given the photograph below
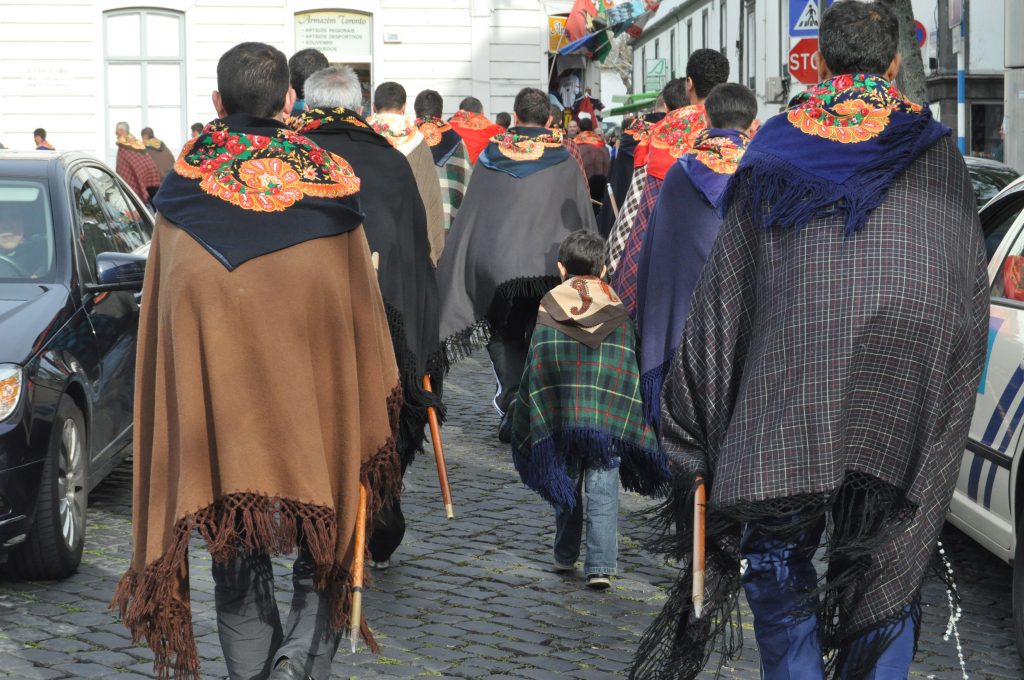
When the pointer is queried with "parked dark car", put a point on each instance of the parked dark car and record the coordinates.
(73, 240)
(988, 177)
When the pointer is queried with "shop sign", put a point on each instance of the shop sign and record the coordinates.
(557, 39)
(334, 33)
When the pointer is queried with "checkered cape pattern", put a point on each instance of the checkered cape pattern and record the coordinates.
(138, 170)
(579, 407)
(454, 178)
(808, 356)
(626, 273)
(624, 222)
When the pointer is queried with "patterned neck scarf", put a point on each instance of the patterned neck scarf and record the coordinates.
(470, 121)
(249, 186)
(522, 151)
(638, 131)
(836, 150)
(590, 138)
(671, 138)
(398, 128)
(153, 143)
(130, 142)
(340, 118)
(713, 160)
(441, 137)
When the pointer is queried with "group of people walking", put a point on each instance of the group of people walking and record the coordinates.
(789, 317)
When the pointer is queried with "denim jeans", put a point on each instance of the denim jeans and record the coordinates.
(602, 497)
(779, 582)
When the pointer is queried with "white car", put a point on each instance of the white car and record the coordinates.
(989, 496)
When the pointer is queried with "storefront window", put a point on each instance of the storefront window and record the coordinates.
(344, 38)
(987, 130)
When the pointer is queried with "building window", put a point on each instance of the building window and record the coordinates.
(985, 136)
(722, 32)
(144, 55)
(704, 20)
(689, 37)
(750, 47)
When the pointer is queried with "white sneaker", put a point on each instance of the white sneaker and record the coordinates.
(599, 582)
(380, 565)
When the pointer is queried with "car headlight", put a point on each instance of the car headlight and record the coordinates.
(10, 389)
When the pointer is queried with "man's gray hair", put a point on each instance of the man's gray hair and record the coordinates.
(122, 126)
(334, 87)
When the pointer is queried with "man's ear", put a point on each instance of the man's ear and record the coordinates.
(604, 272)
(548, 124)
(894, 67)
(562, 271)
(754, 127)
(289, 102)
(218, 105)
(823, 71)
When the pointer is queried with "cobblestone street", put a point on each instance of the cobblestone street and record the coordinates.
(474, 597)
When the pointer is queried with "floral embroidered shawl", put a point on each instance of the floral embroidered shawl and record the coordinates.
(399, 129)
(671, 138)
(441, 137)
(522, 151)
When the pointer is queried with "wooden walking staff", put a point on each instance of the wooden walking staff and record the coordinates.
(442, 468)
(355, 618)
(699, 512)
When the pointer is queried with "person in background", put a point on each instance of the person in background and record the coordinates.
(572, 129)
(474, 128)
(302, 65)
(594, 151)
(578, 422)
(196, 130)
(449, 151)
(504, 119)
(134, 164)
(39, 137)
(390, 120)
(161, 155)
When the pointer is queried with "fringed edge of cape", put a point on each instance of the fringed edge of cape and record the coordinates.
(544, 467)
(412, 436)
(651, 383)
(463, 343)
(678, 646)
(153, 608)
(782, 194)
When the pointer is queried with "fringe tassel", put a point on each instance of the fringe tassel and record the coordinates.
(650, 391)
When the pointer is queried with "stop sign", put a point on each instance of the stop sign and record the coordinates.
(803, 61)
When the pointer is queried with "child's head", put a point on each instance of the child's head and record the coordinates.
(732, 106)
(581, 254)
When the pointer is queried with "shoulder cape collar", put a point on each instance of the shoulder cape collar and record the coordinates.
(590, 138)
(440, 136)
(672, 137)
(130, 142)
(522, 151)
(249, 186)
(399, 129)
(471, 121)
(584, 308)
(338, 120)
(713, 160)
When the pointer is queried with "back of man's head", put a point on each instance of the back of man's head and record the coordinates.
(532, 107)
(582, 254)
(556, 116)
(302, 65)
(334, 87)
(39, 132)
(674, 94)
(389, 97)
(731, 106)
(587, 124)
(147, 133)
(197, 128)
(504, 119)
(706, 68)
(252, 78)
(858, 37)
(428, 103)
(659, 103)
(122, 128)
(471, 104)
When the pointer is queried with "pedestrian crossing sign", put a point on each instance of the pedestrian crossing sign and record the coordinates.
(805, 16)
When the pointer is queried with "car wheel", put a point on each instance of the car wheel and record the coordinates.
(53, 548)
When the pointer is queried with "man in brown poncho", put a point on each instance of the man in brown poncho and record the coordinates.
(267, 391)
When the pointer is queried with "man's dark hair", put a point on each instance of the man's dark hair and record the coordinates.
(389, 96)
(302, 65)
(586, 124)
(504, 119)
(674, 94)
(858, 37)
(471, 104)
(39, 132)
(198, 128)
(252, 78)
(706, 68)
(731, 106)
(556, 116)
(146, 133)
(582, 253)
(532, 107)
(428, 103)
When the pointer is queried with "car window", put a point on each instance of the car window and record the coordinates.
(989, 181)
(26, 232)
(130, 230)
(997, 220)
(94, 228)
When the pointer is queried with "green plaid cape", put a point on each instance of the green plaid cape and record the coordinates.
(580, 408)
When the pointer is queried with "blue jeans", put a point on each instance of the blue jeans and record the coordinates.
(602, 489)
(779, 581)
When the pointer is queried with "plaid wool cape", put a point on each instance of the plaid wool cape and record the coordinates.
(579, 402)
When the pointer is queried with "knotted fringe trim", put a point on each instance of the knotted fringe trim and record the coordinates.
(545, 466)
(651, 383)
(155, 604)
(461, 344)
(411, 435)
(865, 513)
(782, 194)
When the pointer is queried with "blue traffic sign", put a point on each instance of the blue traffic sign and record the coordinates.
(805, 17)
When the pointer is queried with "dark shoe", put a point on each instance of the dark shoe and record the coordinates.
(599, 582)
(505, 428)
(284, 670)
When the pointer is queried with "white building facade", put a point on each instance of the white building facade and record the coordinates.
(77, 67)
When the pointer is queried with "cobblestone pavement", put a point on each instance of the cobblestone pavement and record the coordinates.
(473, 597)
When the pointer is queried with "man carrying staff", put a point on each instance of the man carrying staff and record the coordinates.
(828, 369)
(391, 122)
(267, 390)
(473, 126)
(396, 228)
(525, 197)
(449, 151)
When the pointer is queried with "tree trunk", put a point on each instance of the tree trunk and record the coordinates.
(911, 77)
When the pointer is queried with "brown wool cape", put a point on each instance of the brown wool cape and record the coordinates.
(264, 396)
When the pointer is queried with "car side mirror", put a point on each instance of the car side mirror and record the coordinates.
(118, 271)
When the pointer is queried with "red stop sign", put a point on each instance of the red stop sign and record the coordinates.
(803, 61)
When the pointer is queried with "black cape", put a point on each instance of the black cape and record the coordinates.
(396, 228)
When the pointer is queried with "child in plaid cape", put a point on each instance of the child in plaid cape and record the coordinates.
(578, 420)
